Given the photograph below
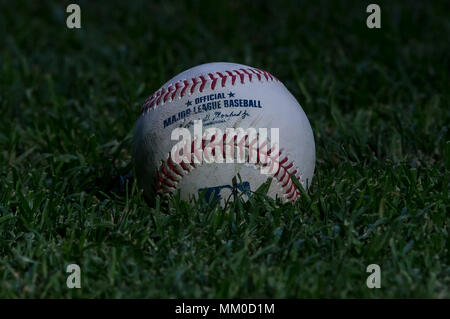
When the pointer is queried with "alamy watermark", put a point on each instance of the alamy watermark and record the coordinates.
(234, 145)
(74, 279)
(374, 279)
(373, 21)
(73, 20)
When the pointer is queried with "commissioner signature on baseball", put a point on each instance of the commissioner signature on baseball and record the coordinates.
(219, 117)
(216, 102)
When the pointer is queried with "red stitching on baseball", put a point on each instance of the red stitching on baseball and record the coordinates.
(202, 86)
(288, 180)
(292, 194)
(265, 74)
(194, 83)
(290, 188)
(257, 74)
(233, 77)
(160, 95)
(172, 166)
(169, 90)
(166, 172)
(163, 94)
(163, 180)
(242, 76)
(186, 85)
(177, 86)
(184, 166)
(248, 73)
(214, 81)
(165, 177)
(284, 174)
(223, 77)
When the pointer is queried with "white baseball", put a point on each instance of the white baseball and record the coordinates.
(232, 86)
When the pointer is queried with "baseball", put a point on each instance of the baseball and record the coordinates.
(216, 121)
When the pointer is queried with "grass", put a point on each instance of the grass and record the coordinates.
(378, 101)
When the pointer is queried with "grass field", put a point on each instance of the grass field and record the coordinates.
(378, 102)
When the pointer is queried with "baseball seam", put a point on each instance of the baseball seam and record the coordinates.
(170, 173)
(200, 82)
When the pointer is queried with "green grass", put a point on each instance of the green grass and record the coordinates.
(378, 101)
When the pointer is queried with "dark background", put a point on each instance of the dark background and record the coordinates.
(377, 99)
